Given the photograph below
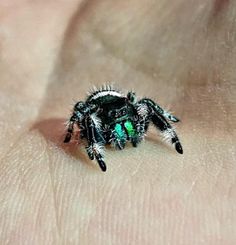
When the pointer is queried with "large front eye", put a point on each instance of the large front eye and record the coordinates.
(124, 112)
(112, 114)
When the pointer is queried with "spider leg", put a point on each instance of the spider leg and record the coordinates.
(80, 109)
(141, 122)
(159, 110)
(157, 116)
(95, 142)
(70, 128)
(140, 129)
(167, 130)
(131, 97)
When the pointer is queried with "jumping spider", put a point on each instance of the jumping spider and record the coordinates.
(109, 117)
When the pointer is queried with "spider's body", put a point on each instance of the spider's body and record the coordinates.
(109, 117)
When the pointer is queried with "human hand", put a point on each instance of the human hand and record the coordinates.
(179, 52)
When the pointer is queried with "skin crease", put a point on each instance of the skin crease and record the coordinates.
(181, 53)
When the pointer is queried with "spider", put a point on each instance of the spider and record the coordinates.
(110, 117)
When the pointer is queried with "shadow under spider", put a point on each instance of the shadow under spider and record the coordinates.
(53, 130)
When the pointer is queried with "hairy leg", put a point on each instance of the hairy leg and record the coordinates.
(157, 109)
(158, 118)
(96, 143)
(70, 128)
(167, 131)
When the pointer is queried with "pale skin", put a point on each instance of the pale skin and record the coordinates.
(182, 54)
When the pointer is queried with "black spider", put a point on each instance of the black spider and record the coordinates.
(108, 116)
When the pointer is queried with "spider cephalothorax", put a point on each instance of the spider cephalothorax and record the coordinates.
(110, 117)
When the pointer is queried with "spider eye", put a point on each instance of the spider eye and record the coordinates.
(79, 106)
(112, 114)
(124, 112)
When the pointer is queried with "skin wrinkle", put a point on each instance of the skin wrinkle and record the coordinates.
(72, 26)
(70, 29)
(18, 12)
(233, 184)
(100, 202)
(114, 53)
(18, 205)
(220, 172)
(40, 201)
(53, 200)
(50, 170)
(111, 51)
(149, 70)
(19, 133)
(12, 146)
(135, 171)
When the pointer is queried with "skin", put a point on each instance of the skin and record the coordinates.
(182, 54)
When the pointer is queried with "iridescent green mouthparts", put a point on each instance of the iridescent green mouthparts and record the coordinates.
(120, 131)
(130, 129)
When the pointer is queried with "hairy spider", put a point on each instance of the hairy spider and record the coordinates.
(110, 117)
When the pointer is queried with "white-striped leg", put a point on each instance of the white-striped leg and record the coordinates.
(95, 148)
(140, 129)
(150, 103)
(70, 128)
(167, 130)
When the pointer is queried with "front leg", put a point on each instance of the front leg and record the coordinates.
(159, 120)
(79, 111)
(156, 108)
(70, 128)
(137, 130)
(95, 148)
(167, 131)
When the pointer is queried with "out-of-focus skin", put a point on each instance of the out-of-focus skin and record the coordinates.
(182, 54)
